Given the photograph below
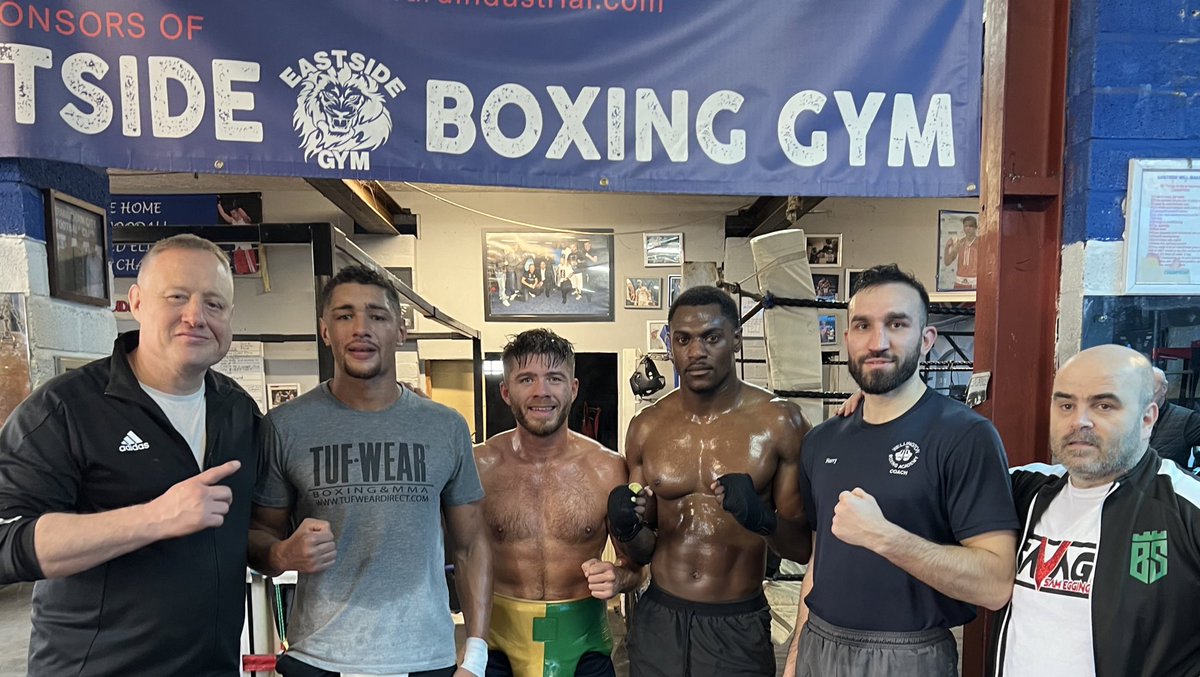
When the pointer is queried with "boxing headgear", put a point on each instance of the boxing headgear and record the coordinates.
(647, 380)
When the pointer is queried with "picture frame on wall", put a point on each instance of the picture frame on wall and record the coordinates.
(827, 328)
(77, 249)
(674, 288)
(662, 249)
(824, 251)
(643, 293)
(827, 286)
(548, 276)
(852, 275)
(658, 337)
(957, 251)
(278, 393)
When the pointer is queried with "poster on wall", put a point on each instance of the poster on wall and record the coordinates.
(192, 209)
(1162, 240)
(603, 95)
(538, 276)
(958, 251)
(244, 364)
(14, 354)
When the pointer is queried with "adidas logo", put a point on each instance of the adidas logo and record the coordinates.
(133, 443)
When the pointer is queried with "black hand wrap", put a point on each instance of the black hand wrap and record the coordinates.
(742, 501)
(623, 520)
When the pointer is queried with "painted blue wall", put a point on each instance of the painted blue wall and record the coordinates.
(22, 210)
(1133, 90)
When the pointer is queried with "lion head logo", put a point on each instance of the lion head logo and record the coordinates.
(340, 110)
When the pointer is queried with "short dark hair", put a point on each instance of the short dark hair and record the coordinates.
(707, 295)
(890, 273)
(358, 274)
(539, 342)
(970, 221)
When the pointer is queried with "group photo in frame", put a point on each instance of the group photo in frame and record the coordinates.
(77, 249)
(643, 293)
(538, 276)
(957, 251)
(824, 251)
(662, 249)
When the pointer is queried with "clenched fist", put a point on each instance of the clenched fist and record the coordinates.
(857, 520)
(601, 578)
(194, 504)
(311, 548)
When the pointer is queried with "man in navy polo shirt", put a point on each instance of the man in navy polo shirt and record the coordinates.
(910, 506)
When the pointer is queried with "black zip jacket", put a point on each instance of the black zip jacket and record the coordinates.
(90, 441)
(1144, 609)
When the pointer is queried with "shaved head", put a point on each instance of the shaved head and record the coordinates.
(1102, 414)
(1160, 387)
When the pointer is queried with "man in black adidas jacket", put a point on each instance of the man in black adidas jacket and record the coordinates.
(125, 488)
(1108, 565)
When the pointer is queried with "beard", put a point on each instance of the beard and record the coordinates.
(1111, 459)
(541, 428)
(881, 381)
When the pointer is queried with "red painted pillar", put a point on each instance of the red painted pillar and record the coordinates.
(1024, 91)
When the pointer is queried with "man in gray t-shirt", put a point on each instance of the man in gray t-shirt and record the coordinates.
(366, 471)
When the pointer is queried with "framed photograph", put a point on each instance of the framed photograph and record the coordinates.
(824, 251)
(957, 250)
(827, 285)
(643, 293)
(278, 393)
(851, 280)
(674, 288)
(658, 337)
(827, 325)
(662, 249)
(539, 276)
(77, 250)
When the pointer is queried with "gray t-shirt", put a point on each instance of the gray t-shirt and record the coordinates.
(380, 479)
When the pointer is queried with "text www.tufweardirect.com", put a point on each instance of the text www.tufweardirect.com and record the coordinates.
(627, 6)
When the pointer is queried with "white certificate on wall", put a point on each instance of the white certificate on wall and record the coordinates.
(244, 364)
(1162, 227)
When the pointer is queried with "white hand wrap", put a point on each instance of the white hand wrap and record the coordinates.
(475, 656)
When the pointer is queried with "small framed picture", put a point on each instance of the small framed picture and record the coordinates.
(77, 249)
(658, 337)
(958, 250)
(663, 249)
(674, 288)
(827, 285)
(643, 293)
(852, 275)
(824, 251)
(278, 393)
(827, 325)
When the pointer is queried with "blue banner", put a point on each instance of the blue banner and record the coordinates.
(757, 97)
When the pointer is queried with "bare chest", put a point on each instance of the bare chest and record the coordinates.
(547, 504)
(686, 458)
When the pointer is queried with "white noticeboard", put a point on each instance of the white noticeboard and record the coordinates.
(244, 364)
(1162, 227)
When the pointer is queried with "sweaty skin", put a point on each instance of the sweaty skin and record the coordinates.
(546, 514)
(715, 424)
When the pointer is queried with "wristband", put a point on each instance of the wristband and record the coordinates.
(475, 656)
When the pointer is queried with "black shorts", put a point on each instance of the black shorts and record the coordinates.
(673, 637)
(591, 664)
(288, 666)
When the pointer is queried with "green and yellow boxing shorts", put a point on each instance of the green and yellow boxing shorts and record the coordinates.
(547, 639)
